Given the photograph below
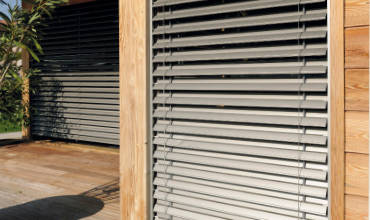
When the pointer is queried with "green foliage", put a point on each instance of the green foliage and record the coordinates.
(19, 33)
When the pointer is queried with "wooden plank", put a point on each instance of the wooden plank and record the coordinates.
(133, 101)
(357, 174)
(357, 47)
(356, 13)
(356, 208)
(357, 89)
(357, 132)
(337, 109)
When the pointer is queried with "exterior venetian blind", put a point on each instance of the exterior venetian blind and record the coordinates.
(239, 109)
(78, 87)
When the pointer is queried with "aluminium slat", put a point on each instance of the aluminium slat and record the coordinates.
(76, 137)
(173, 2)
(95, 106)
(87, 117)
(283, 195)
(243, 149)
(75, 123)
(242, 204)
(83, 129)
(79, 78)
(220, 207)
(243, 180)
(241, 54)
(242, 118)
(78, 94)
(289, 87)
(227, 8)
(242, 196)
(238, 69)
(243, 165)
(225, 39)
(183, 213)
(82, 74)
(56, 90)
(58, 100)
(78, 84)
(60, 111)
(241, 133)
(74, 131)
(242, 102)
(280, 18)
(202, 211)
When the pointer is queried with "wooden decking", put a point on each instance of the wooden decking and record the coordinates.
(52, 181)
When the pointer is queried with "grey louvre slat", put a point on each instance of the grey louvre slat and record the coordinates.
(76, 105)
(233, 7)
(243, 150)
(65, 127)
(242, 118)
(183, 213)
(218, 206)
(86, 78)
(173, 2)
(77, 93)
(270, 103)
(74, 131)
(44, 121)
(76, 83)
(80, 89)
(74, 110)
(239, 54)
(238, 70)
(87, 117)
(290, 34)
(243, 180)
(73, 74)
(243, 22)
(77, 100)
(205, 211)
(76, 137)
(242, 196)
(241, 133)
(243, 165)
(307, 87)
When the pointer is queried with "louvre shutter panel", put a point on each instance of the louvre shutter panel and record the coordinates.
(239, 109)
(77, 90)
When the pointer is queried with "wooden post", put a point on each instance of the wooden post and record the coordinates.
(133, 50)
(26, 130)
(337, 109)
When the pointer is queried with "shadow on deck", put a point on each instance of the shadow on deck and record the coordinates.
(68, 207)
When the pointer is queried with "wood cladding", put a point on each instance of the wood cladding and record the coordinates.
(356, 13)
(356, 207)
(357, 89)
(357, 107)
(357, 47)
(133, 104)
(357, 132)
(357, 168)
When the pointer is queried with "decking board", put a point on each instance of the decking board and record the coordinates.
(44, 180)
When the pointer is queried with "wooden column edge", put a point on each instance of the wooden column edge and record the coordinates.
(336, 57)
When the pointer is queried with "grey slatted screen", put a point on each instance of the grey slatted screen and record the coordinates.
(78, 87)
(239, 109)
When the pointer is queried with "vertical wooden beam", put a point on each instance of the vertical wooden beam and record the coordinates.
(26, 130)
(336, 57)
(133, 108)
